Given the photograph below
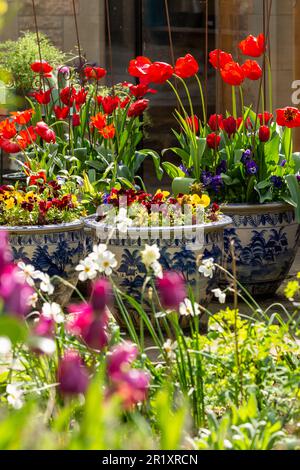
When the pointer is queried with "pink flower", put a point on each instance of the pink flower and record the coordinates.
(72, 375)
(14, 292)
(122, 355)
(44, 327)
(171, 290)
(132, 387)
(5, 253)
(101, 296)
(47, 134)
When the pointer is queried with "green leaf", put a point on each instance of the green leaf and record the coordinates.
(293, 185)
(182, 185)
(172, 170)
(13, 328)
(156, 160)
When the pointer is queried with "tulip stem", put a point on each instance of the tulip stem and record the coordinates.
(234, 111)
(202, 99)
(178, 98)
(270, 84)
(190, 101)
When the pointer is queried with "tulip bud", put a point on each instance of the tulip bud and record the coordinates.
(213, 141)
(72, 375)
(172, 290)
(264, 133)
(101, 296)
(230, 126)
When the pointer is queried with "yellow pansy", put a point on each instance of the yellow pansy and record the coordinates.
(10, 203)
(29, 195)
(74, 200)
(164, 193)
(204, 200)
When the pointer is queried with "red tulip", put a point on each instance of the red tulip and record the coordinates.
(288, 117)
(23, 117)
(193, 123)
(61, 113)
(253, 46)
(76, 120)
(171, 290)
(265, 118)
(139, 91)
(94, 73)
(8, 129)
(42, 97)
(108, 103)
(136, 109)
(248, 124)
(219, 59)
(8, 146)
(67, 96)
(264, 133)
(47, 134)
(233, 74)
(80, 97)
(215, 122)
(159, 72)
(42, 67)
(98, 121)
(72, 375)
(108, 132)
(230, 126)
(252, 70)
(186, 66)
(139, 67)
(213, 141)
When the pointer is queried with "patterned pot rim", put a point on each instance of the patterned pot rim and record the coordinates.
(224, 221)
(256, 208)
(64, 227)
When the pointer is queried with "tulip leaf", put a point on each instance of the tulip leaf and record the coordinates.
(182, 185)
(293, 185)
(172, 170)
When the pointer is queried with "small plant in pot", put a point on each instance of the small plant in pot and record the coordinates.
(244, 160)
(150, 233)
(42, 220)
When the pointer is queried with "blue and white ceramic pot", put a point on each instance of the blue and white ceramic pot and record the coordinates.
(53, 249)
(181, 248)
(266, 241)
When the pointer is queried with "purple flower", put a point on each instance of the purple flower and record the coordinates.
(251, 167)
(216, 183)
(246, 156)
(277, 182)
(171, 290)
(14, 292)
(122, 355)
(298, 177)
(5, 253)
(72, 375)
(222, 167)
(283, 163)
(184, 169)
(206, 178)
(95, 334)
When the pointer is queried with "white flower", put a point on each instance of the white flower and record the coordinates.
(187, 309)
(27, 273)
(150, 255)
(107, 262)
(157, 269)
(53, 311)
(45, 284)
(98, 250)
(45, 345)
(207, 268)
(5, 345)
(221, 296)
(170, 348)
(122, 221)
(15, 396)
(33, 300)
(87, 269)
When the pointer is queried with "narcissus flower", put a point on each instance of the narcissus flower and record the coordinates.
(61, 113)
(288, 117)
(42, 67)
(252, 70)
(215, 122)
(94, 73)
(213, 141)
(233, 74)
(219, 59)
(23, 117)
(137, 108)
(264, 133)
(186, 66)
(253, 46)
(42, 97)
(98, 121)
(172, 290)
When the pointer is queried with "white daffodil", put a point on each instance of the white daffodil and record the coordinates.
(107, 262)
(15, 396)
(157, 269)
(220, 295)
(45, 284)
(27, 273)
(5, 345)
(207, 268)
(170, 347)
(122, 221)
(187, 309)
(33, 300)
(98, 250)
(54, 311)
(150, 255)
(87, 269)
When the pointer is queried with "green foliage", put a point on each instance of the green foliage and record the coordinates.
(16, 57)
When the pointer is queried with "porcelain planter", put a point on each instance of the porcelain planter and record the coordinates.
(179, 252)
(53, 249)
(266, 241)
